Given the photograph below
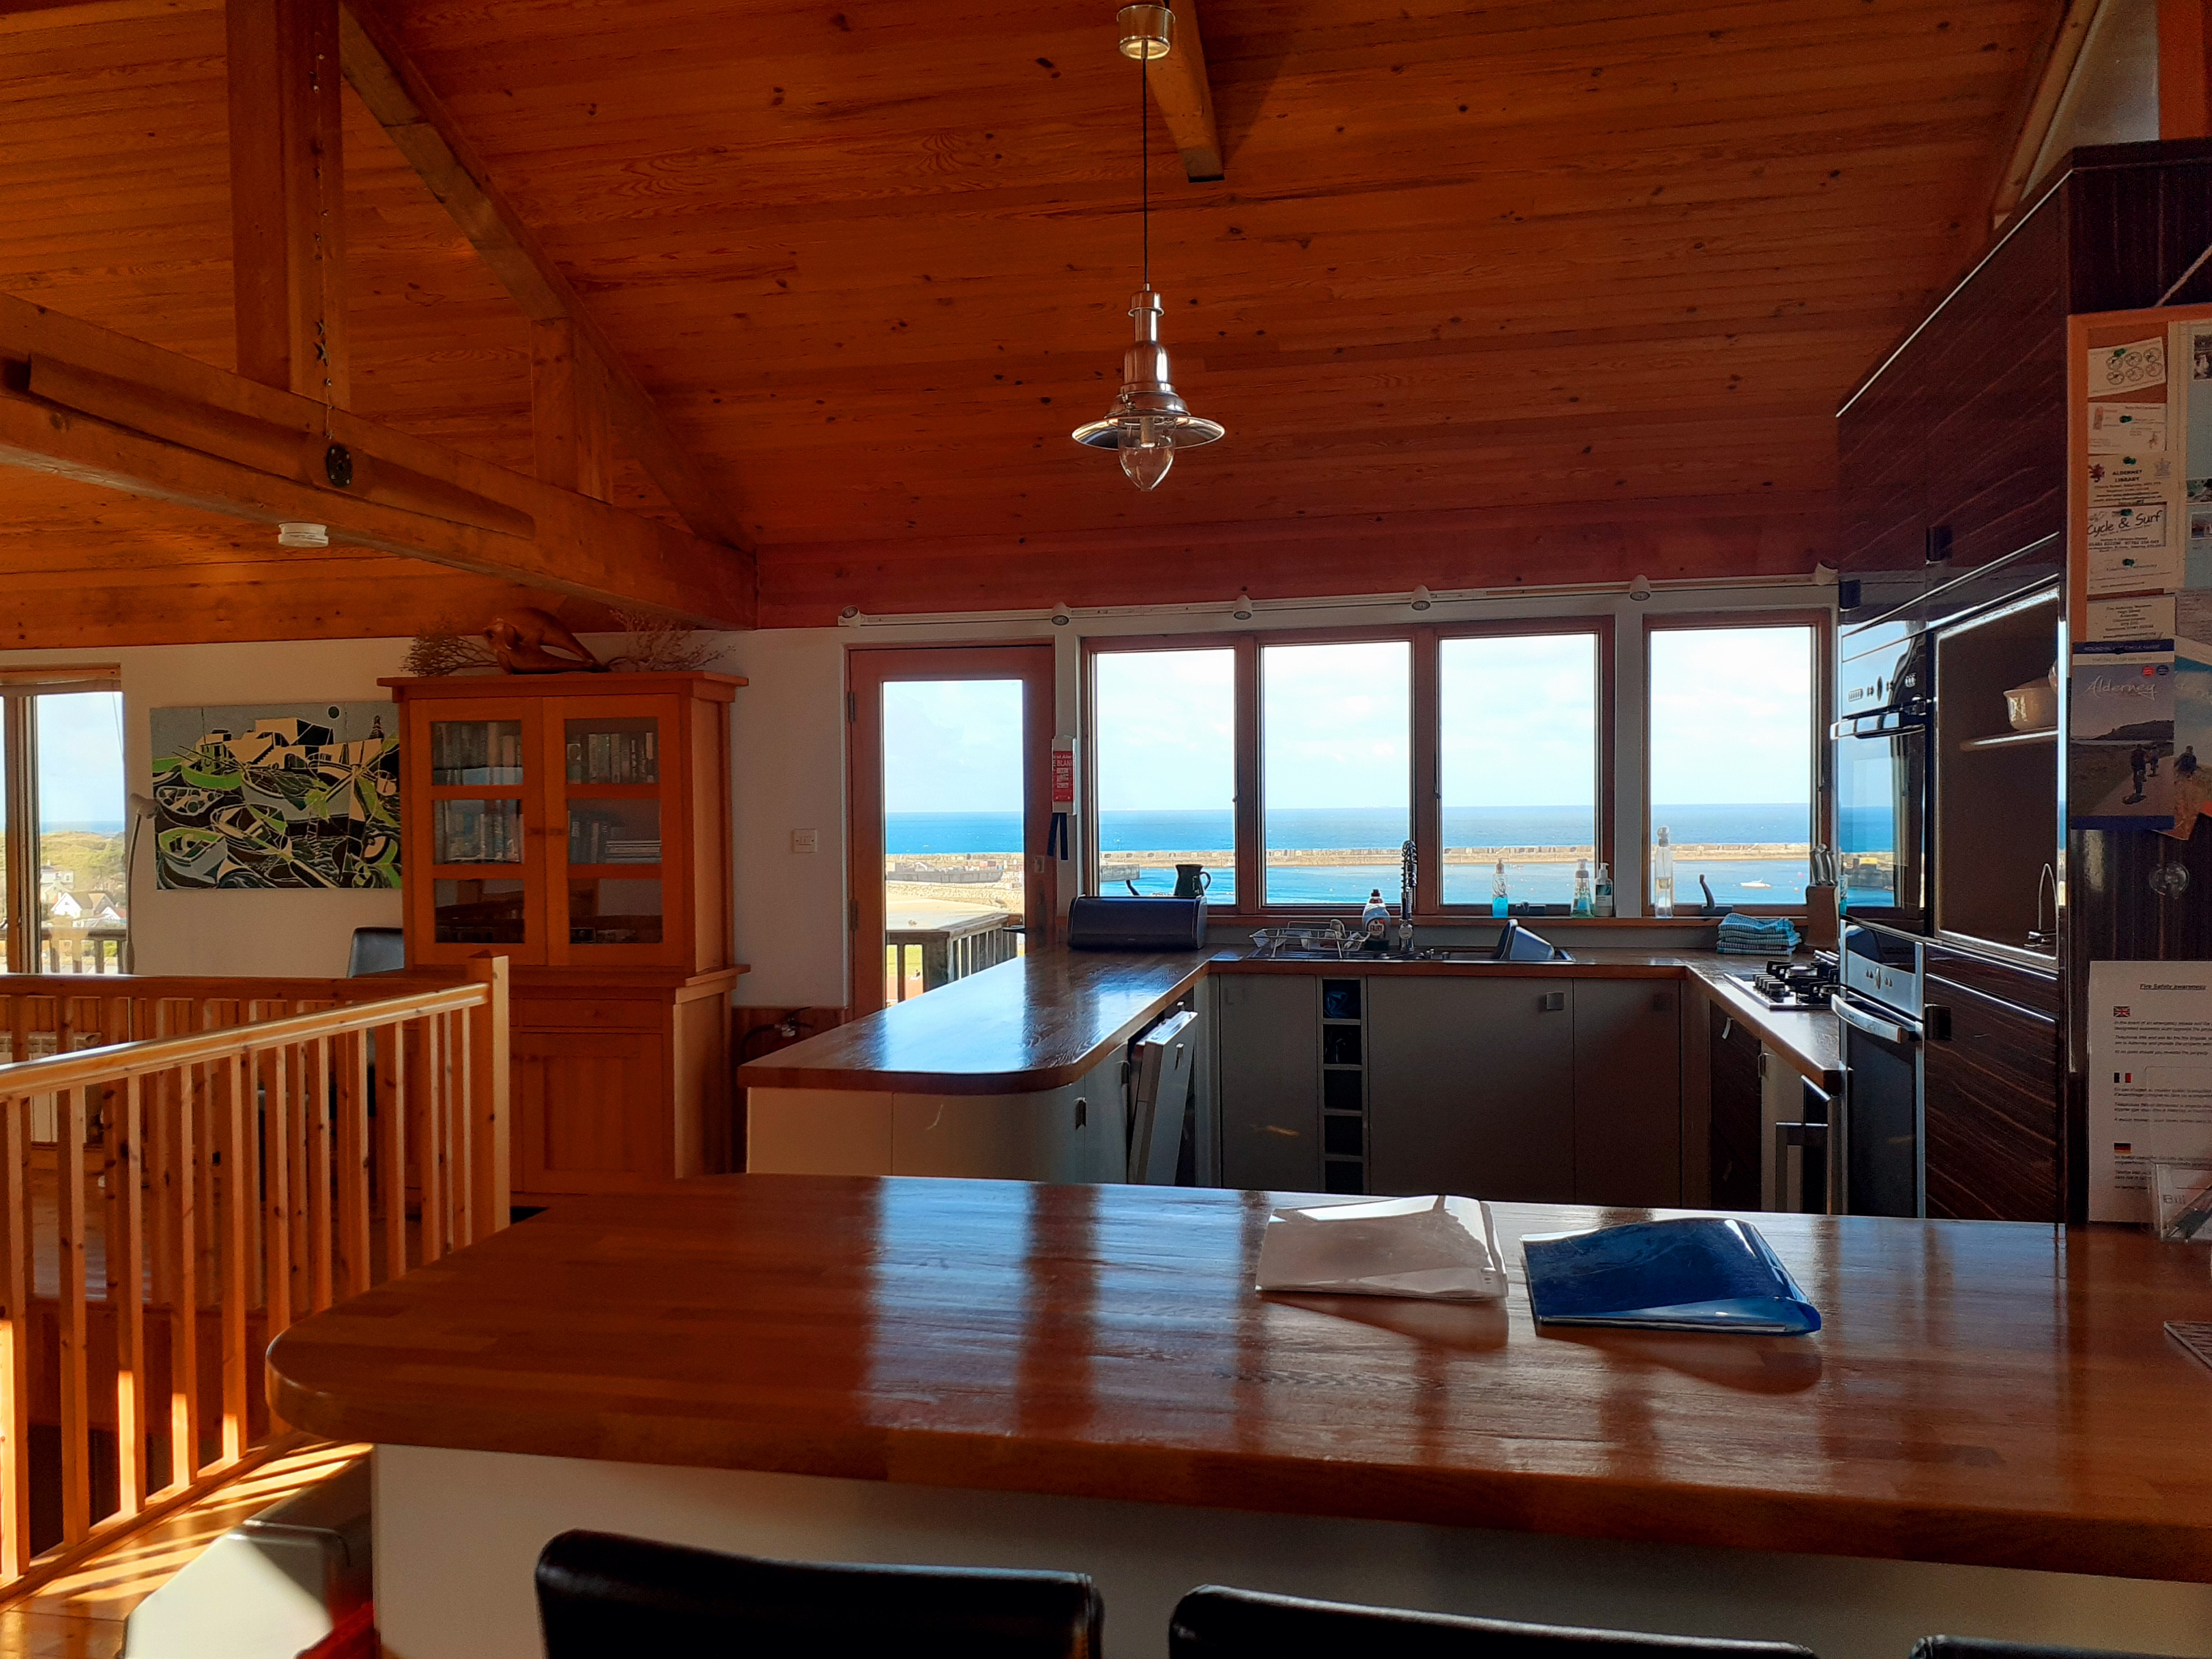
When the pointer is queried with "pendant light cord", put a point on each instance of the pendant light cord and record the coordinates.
(1145, 155)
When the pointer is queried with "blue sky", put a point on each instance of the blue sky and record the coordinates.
(81, 758)
(1518, 720)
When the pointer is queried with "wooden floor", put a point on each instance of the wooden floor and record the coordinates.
(82, 1616)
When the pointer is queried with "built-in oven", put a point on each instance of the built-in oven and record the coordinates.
(1875, 1162)
(1885, 777)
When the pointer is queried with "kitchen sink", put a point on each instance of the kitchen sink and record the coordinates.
(1443, 953)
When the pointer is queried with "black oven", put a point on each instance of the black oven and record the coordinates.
(1885, 776)
(1875, 1161)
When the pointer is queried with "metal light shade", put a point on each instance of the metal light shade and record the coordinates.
(1149, 420)
(1147, 31)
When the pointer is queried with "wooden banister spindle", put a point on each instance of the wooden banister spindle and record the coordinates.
(238, 1206)
(14, 1338)
(316, 1173)
(126, 1288)
(490, 1181)
(183, 1174)
(274, 1068)
(352, 1166)
(71, 1126)
(392, 1142)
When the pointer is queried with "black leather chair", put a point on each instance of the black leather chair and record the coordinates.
(604, 1596)
(376, 950)
(1976, 1647)
(1215, 1623)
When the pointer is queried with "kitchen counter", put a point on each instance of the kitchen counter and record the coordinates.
(1045, 1019)
(748, 1363)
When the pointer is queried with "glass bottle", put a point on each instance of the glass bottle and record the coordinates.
(1601, 898)
(1662, 875)
(1498, 889)
(1582, 904)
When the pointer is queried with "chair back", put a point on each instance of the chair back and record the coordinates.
(1215, 1623)
(376, 950)
(604, 1596)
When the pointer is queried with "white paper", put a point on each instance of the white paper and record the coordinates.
(1439, 1247)
(2135, 367)
(2148, 618)
(2127, 429)
(2150, 1078)
(2192, 619)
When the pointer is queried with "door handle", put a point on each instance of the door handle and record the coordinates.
(1938, 1018)
(1888, 1030)
(1552, 1002)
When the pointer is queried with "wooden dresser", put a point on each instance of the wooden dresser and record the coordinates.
(580, 825)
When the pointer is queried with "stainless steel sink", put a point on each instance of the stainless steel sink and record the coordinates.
(1442, 953)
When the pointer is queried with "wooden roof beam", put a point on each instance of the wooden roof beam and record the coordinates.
(1180, 88)
(80, 402)
(2058, 54)
(288, 196)
(395, 92)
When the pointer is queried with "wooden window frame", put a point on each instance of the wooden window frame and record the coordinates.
(19, 690)
(1822, 827)
(1034, 663)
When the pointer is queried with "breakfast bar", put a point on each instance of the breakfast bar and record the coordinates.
(1991, 1430)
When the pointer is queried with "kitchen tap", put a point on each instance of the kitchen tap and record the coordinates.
(1409, 866)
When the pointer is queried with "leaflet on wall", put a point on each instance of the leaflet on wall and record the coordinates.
(2127, 429)
(2150, 616)
(2192, 736)
(2150, 1079)
(2137, 366)
(2119, 766)
(2192, 619)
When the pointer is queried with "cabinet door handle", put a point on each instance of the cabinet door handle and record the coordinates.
(1552, 1002)
(1936, 1020)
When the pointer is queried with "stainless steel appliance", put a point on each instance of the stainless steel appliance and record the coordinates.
(1786, 985)
(1874, 1130)
(1885, 777)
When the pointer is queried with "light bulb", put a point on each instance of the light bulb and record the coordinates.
(1147, 448)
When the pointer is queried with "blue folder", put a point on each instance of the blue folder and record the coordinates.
(1698, 1274)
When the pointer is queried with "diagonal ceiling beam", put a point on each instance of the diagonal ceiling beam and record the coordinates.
(2051, 71)
(80, 402)
(395, 92)
(1180, 88)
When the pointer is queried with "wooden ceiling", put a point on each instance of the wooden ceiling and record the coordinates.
(1533, 292)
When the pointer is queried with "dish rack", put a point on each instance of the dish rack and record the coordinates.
(1334, 937)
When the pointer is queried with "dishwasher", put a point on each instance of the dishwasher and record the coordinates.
(1163, 1067)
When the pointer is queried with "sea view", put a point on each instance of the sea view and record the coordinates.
(1125, 836)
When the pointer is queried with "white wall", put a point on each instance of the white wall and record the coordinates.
(230, 932)
(787, 770)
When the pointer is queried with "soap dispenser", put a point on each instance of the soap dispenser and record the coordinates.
(1498, 890)
(1581, 907)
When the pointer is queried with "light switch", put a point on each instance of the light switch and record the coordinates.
(806, 840)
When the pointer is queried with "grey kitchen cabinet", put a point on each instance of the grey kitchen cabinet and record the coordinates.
(1628, 1091)
(1269, 1041)
(1471, 1087)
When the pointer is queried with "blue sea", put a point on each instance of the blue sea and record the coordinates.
(1383, 827)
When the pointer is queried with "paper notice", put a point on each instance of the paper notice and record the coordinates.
(2147, 619)
(2129, 552)
(2127, 429)
(2193, 620)
(2200, 355)
(2150, 1078)
(2135, 367)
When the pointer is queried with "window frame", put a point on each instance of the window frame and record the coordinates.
(20, 690)
(1821, 828)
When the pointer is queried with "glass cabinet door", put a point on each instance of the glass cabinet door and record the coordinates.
(480, 775)
(617, 773)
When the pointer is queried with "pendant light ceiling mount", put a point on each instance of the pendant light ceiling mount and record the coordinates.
(1149, 420)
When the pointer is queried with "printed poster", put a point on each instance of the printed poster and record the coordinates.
(2193, 735)
(2150, 1079)
(2120, 750)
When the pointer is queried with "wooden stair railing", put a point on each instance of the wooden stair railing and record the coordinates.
(206, 1188)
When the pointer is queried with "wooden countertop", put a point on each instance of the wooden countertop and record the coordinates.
(1983, 1393)
(1045, 1018)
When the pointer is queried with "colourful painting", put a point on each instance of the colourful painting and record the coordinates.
(290, 797)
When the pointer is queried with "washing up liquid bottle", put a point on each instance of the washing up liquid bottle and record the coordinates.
(1498, 889)
(1582, 904)
(1601, 900)
(1662, 875)
(1374, 920)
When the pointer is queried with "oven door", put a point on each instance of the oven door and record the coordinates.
(1873, 1141)
(1882, 792)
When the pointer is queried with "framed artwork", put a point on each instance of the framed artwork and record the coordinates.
(292, 795)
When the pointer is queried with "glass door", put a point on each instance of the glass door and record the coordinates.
(483, 871)
(618, 773)
(951, 808)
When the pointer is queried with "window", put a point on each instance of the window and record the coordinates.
(1731, 773)
(1518, 758)
(1336, 771)
(1165, 727)
(64, 815)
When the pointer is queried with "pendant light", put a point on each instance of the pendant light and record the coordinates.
(1148, 422)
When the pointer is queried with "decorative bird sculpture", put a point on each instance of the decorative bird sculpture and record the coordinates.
(531, 642)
